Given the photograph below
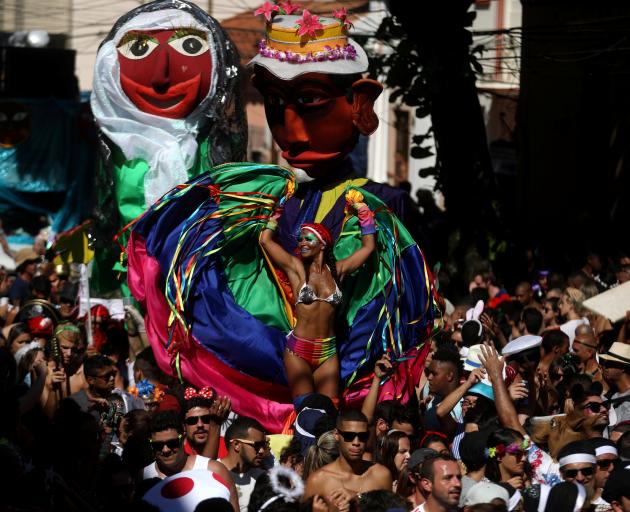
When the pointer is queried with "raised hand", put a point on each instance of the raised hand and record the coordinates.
(383, 366)
(220, 409)
(476, 376)
(490, 359)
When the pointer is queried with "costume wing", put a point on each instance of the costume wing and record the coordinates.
(214, 313)
(389, 303)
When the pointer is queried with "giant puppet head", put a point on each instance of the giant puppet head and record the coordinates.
(309, 72)
(165, 76)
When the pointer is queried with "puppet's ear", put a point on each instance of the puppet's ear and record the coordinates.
(364, 94)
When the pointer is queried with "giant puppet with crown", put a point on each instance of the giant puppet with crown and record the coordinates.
(269, 291)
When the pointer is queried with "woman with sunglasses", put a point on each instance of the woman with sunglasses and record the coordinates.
(506, 456)
(310, 357)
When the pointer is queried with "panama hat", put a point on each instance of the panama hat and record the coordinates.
(618, 353)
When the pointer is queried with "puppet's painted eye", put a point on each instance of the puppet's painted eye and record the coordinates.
(190, 45)
(138, 48)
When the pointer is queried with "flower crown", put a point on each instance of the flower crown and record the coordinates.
(314, 39)
(500, 450)
(308, 24)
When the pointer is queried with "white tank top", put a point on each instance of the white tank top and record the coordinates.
(151, 471)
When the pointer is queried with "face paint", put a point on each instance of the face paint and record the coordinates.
(165, 72)
(309, 238)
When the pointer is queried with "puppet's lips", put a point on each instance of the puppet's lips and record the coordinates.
(307, 159)
(164, 104)
(177, 102)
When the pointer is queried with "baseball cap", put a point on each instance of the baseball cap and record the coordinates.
(419, 456)
(485, 492)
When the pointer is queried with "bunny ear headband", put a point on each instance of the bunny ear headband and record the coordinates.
(473, 314)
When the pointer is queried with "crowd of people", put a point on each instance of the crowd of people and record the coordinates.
(524, 404)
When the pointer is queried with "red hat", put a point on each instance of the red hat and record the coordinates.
(320, 231)
(99, 310)
(40, 326)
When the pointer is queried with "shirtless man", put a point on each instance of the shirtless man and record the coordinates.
(349, 475)
(166, 438)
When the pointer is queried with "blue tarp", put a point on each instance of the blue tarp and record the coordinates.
(57, 157)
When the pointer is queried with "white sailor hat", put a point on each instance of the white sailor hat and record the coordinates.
(521, 344)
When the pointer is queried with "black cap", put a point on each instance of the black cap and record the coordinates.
(418, 457)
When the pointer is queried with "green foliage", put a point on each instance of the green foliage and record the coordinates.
(410, 69)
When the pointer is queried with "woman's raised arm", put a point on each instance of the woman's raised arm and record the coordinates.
(368, 241)
(276, 253)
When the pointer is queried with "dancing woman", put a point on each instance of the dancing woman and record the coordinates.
(310, 358)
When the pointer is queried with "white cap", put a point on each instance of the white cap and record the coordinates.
(521, 344)
(485, 492)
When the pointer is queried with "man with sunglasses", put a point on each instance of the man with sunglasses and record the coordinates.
(595, 410)
(166, 440)
(349, 476)
(247, 445)
(607, 457)
(577, 463)
(204, 413)
(100, 374)
(616, 364)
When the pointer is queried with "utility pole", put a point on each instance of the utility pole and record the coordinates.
(210, 7)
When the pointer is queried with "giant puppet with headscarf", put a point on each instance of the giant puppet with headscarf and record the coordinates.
(165, 98)
(219, 310)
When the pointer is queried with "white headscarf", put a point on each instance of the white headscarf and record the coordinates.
(168, 145)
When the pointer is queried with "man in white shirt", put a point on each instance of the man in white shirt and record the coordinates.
(441, 482)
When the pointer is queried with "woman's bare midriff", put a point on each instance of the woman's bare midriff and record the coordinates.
(315, 320)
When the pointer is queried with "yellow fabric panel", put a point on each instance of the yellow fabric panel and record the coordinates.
(332, 194)
(278, 442)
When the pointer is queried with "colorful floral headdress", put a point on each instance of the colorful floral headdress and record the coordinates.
(147, 391)
(500, 450)
(307, 38)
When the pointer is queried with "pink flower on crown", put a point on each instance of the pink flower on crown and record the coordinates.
(288, 7)
(308, 24)
(267, 9)
(342, 16)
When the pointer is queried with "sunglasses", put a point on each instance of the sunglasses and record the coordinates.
(572, 473)
(107, 376)
(193, 420)
(257, 445)
(173, 444)
(518, 455)
(349, 436)
(595, 406)
(605, 464)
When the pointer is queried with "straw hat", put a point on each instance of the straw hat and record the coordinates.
(618, 353)
(24, 255)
